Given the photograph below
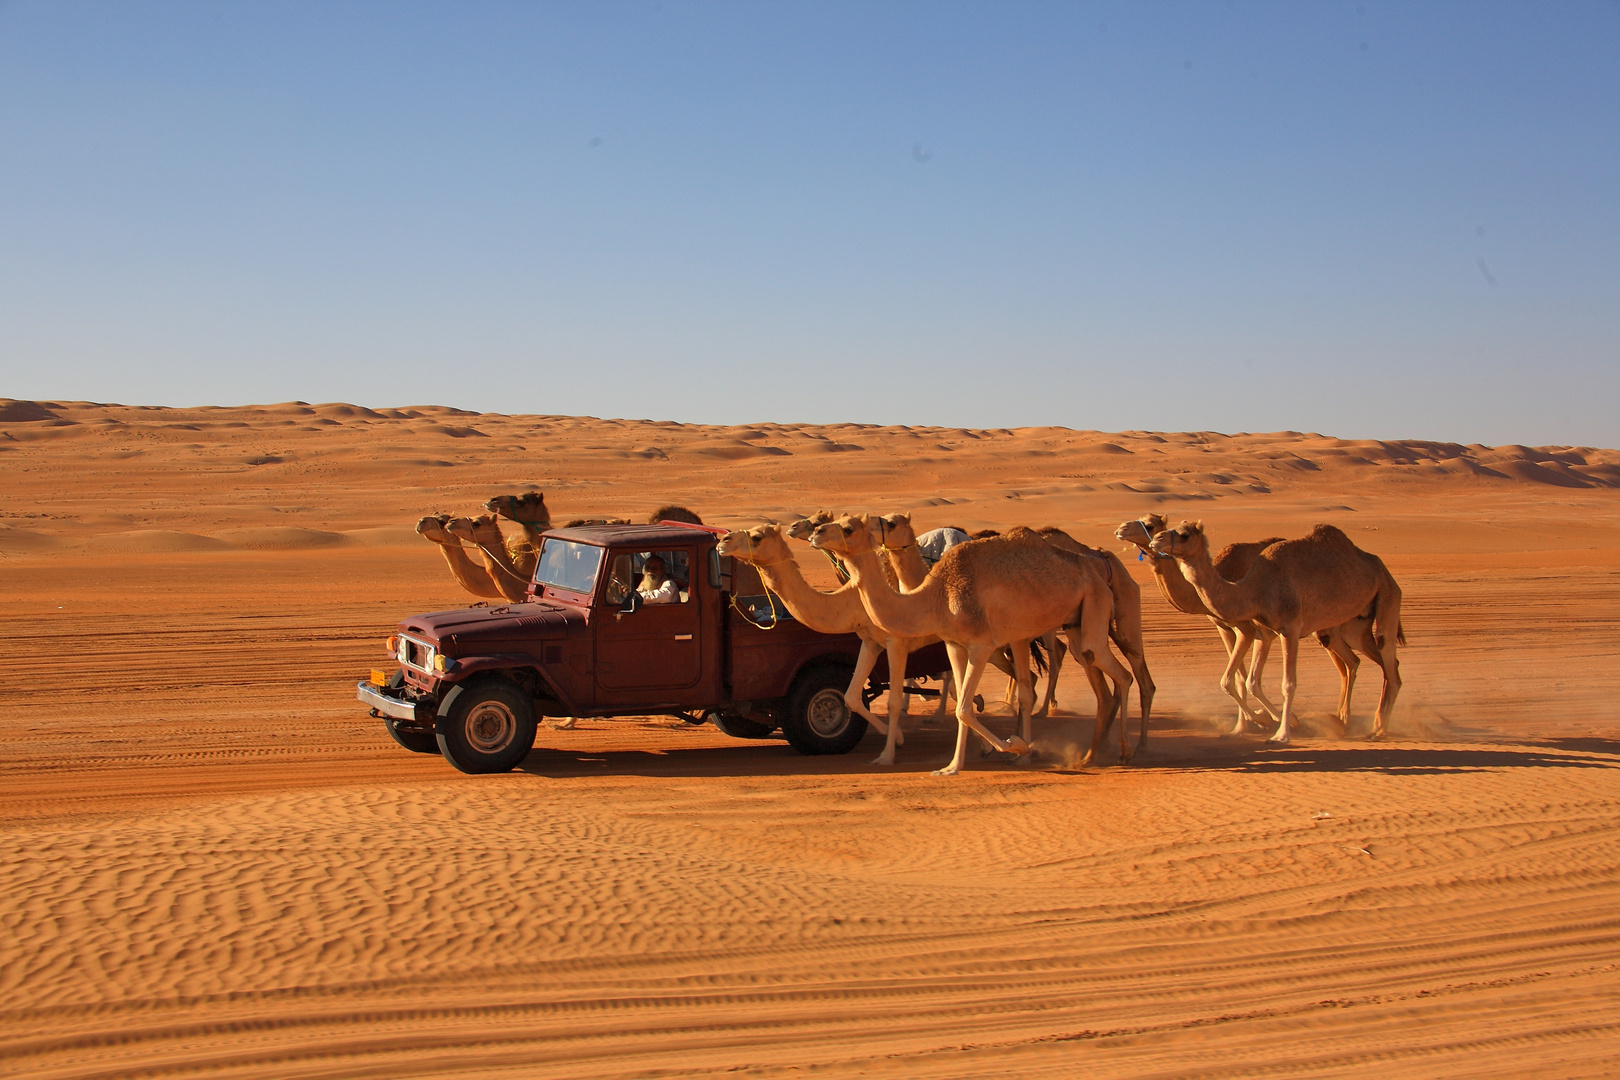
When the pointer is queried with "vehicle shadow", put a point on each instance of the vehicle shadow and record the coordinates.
(1169, 749)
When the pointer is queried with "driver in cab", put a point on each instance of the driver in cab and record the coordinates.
(657, 587)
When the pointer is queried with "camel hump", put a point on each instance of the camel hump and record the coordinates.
(674, 513)
(1329, 534)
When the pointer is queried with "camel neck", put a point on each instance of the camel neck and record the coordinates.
(907, 561)
(822, 612)
(1226, 600)
(1178, 591)
(901, 614)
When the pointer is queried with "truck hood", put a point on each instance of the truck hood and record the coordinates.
(470, 625)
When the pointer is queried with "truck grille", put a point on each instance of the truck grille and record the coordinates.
(415, 654)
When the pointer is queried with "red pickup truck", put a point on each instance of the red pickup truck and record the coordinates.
(471, 683)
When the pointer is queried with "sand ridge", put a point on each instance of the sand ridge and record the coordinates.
(217, 865)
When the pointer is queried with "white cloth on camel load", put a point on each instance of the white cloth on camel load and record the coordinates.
(933, 545)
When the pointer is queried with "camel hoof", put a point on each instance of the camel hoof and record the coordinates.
(948, 770)
(1017, 746)
(566, 725)
(882, 759)
(1279, 739)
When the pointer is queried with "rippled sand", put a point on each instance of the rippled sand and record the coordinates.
(217, 865)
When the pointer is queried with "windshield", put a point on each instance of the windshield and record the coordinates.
(564, 564)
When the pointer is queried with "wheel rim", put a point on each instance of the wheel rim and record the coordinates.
(490, 727)
(827, 715)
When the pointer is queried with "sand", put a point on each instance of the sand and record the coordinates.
(217, 865)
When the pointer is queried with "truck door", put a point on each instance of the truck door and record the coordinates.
(653, 654)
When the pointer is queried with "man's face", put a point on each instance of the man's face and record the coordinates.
(654, 568)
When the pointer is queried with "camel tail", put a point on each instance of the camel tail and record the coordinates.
(1037, 652)
(1400, 633)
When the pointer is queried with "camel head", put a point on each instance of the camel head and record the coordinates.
(761, 544)
(674, 513)
(1185, 541)
(479, 530)
(1134, 532)
(801, 529)
(895, 532)
(527, 509)
(847, 536)
(433, 528)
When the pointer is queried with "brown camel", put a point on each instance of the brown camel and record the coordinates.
(897, 539)
(1232, 563)
(837, 612)
(468, 574)
(1005, 590)
(674, 513)
(1298, 587)
(509, 561)
(1126, 629)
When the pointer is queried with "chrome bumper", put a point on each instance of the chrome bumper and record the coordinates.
(374, 697)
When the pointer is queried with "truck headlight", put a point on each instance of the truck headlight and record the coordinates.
(439, 662)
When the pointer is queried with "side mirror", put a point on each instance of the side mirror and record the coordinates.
(632, 603)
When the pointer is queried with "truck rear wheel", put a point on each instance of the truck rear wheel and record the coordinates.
(489, 728)
(815, 719)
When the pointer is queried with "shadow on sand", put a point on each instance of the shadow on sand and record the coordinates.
(1175, 750)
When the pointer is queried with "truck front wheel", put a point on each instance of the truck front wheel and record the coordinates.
(488, 729)
(418, 742)
(815, 719)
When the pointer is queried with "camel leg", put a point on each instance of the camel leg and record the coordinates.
(1144, 692)
(1001, 660)
(1290, 681)
(1388, 625)
(1229, 640)
(947, 685)
(1345, 659)
(1262, 650)
(865, 661)
(1093, 648)
(1054, 662)
(897, 652)
(968, 665)
(1026, 688)
(1231, 680)
(1127, 634)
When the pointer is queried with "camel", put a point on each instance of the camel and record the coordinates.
(838, 612)
(509, 561)
(1232, 563)
(1297, 587)
(468, 574)
(902, 550)
(674, 513)
(1005, 590)
(898, 571)
(1126, 630)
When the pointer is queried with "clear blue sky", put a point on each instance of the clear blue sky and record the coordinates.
(1364, 219)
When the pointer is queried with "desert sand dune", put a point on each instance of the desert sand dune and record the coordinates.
(217, 865)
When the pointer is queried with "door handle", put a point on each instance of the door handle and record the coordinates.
(683, 637)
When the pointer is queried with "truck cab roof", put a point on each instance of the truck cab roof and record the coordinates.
(643, 536)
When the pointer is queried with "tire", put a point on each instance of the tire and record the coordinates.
(417, 742)
(489, 728)
(740, 727)
(816, 720)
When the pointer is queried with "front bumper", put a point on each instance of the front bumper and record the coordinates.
(378, 698)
